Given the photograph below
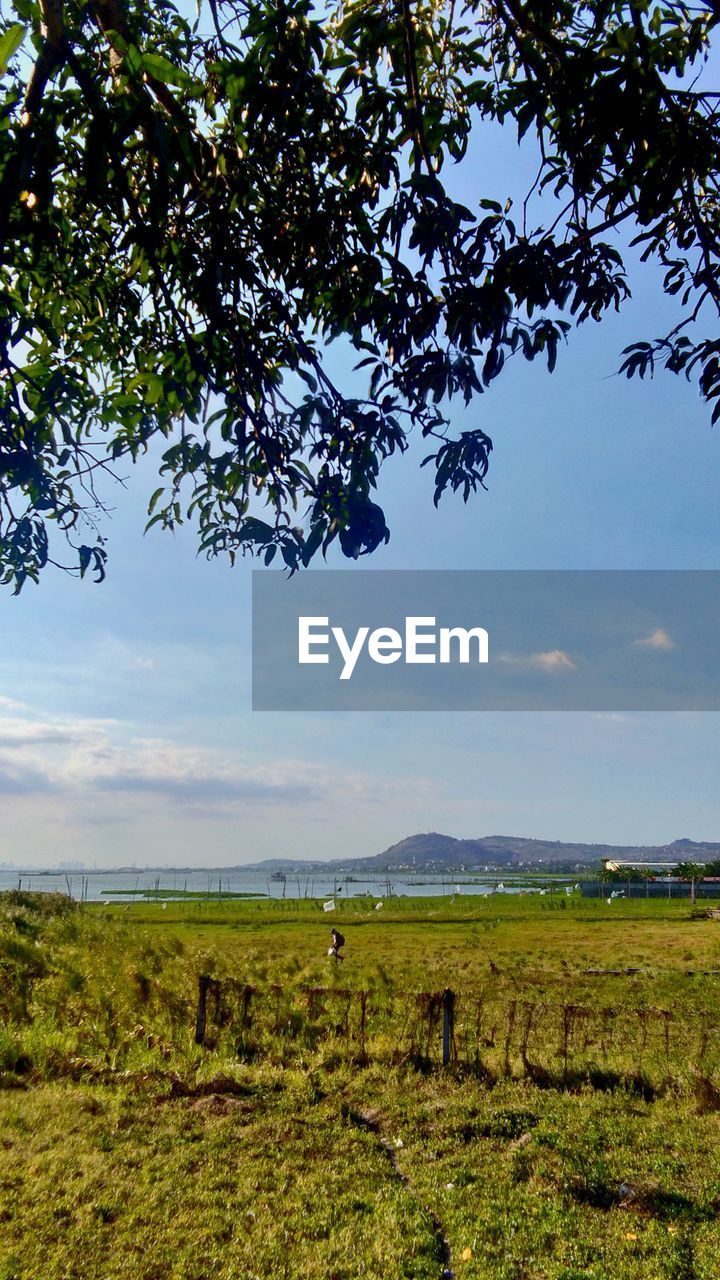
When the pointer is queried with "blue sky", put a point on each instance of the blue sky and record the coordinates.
(125, 726)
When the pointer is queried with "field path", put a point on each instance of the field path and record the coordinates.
(369, 1119)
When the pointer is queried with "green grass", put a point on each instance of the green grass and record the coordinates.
(192, 895)
(269, 1182)
(281, 1151)
(289, 1176)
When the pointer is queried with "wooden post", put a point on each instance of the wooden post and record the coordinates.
(448, 1007)
(363, 1017)
(203, 984)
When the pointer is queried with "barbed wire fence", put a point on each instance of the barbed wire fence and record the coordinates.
(486, 1032)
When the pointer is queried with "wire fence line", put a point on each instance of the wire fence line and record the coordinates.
(486, 1031)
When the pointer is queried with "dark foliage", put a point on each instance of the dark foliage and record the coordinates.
(192, 210)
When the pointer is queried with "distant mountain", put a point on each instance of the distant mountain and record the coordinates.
(433, 849)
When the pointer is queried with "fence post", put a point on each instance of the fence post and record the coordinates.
(363, 1017)
(448, 1024)
(203, 984)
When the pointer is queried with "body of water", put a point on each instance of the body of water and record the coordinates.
(108, 886)
(99, 886)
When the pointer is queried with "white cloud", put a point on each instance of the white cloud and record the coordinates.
(552, 661)
(11, 704)
(84, 758)
(15, 732)
(658, 639)
(186, 774)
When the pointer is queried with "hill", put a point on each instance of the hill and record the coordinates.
(434, 849)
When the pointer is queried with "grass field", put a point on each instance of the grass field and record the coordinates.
(575, 1134)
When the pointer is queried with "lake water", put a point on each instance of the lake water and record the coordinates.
(107, 886)
(99, 886)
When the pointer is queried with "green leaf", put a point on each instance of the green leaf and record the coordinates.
(85, 555)
(165, 71)
(10, 42)
(154, 500)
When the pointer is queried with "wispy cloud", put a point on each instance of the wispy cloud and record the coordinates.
(658, 639)
(190, 775)
(23, 780)
(11, 704)
(82, 759)
(553, 661)
(204, 789)
(22, 733)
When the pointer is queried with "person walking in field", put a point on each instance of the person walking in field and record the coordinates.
(338, 941)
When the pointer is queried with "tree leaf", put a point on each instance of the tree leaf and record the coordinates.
(162, 69)
(10, 42)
